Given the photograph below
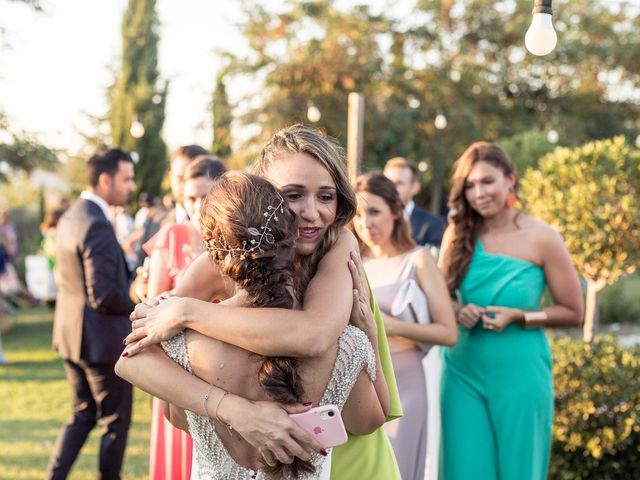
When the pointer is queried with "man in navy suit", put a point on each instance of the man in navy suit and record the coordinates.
(426, 228)
(92, 316)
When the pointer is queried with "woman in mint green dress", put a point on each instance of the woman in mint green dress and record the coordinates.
(497, 386)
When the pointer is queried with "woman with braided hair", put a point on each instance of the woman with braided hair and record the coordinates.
(309, 171)
(250, 236)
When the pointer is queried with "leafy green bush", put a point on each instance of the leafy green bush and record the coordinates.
(591, 194)
(596, 431)
(620, 302)
(527, 148)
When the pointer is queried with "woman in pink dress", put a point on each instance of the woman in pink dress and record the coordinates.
(170, 251)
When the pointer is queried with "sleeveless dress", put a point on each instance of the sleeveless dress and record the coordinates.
(170, 456)
(408, 434)
(497, 387)
(355, 353)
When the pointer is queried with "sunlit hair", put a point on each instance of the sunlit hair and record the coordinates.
(204, 166)
(233, 208)
(300, 139)
(401, 162)
(378, 184)
(190, 152)
(467, 222)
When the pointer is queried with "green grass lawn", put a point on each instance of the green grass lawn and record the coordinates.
(36, 401)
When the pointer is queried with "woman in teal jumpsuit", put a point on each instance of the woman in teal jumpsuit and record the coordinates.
(497, 386)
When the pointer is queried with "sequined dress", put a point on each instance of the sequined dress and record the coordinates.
(214, 462)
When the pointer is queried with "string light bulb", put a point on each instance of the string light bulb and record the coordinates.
(313, 113)
(440, 122)
(541, 38)
(137, 129)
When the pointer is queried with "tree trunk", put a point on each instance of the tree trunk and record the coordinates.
(591, 309)
(436, 196)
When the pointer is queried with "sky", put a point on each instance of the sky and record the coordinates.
(56, 66)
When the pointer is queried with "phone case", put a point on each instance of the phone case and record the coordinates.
(324, 424)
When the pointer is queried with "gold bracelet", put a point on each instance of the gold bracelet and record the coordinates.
(205, 399)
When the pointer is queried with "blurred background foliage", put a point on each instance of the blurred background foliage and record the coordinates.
(591, 195)
(463, 59)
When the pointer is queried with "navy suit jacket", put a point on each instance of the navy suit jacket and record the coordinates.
(93, 304)
(427, 228)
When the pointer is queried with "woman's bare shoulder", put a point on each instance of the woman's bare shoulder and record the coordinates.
(346, 240)
(544, 236)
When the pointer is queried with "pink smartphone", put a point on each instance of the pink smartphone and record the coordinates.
(324, 424)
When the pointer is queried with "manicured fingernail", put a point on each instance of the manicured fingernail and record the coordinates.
(124, 342)
(125, 354)
(307, 404)
(323, 452)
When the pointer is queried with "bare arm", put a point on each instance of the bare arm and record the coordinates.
(175, 415)
(265, 425)
(363, 413)
(368, 404)
(268, 331)
(159, 280)
(442, 330)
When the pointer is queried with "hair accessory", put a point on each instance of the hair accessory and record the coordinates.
(262, 234)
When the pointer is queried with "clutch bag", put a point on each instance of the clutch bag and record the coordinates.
(410, 303)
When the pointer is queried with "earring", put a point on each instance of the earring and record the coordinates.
(511, 199)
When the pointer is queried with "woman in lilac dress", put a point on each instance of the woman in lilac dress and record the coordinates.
(391, 258)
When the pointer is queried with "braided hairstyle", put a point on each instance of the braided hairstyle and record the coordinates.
(466, 221)
(233, 209)
(300, 139)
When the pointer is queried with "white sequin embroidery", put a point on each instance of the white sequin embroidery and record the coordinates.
(213, 460)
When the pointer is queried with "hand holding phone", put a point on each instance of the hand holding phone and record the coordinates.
(324, 424)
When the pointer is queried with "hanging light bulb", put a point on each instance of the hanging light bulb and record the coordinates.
(137, 129)
(541, 38)
(441, 122)
(313, 113)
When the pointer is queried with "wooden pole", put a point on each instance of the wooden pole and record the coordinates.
(355, 132)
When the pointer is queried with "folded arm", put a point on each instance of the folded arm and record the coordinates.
(442, 330)
(309, 332)
(265, 425)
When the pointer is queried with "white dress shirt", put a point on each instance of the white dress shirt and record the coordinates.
(98, 200)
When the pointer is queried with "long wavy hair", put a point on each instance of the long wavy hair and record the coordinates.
(300, 139)
(466, 221)
(233, 213)
(378, 184)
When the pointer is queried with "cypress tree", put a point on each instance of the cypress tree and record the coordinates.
(137, 95)
(222, 117)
